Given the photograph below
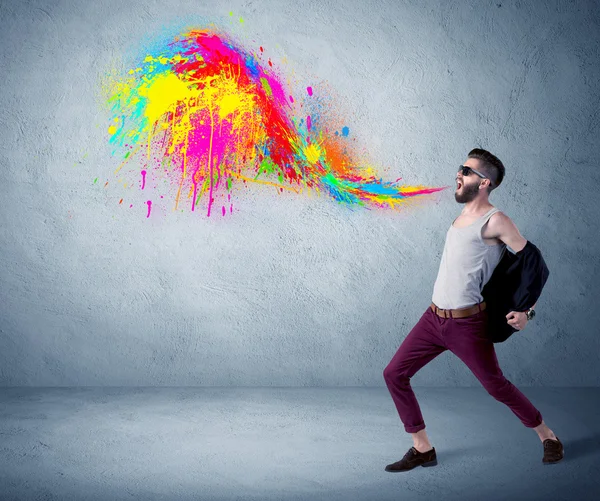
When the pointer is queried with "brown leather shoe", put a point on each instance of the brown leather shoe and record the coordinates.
(553, 451)
(412, 459)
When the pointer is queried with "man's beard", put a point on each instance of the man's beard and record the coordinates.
(467, 193)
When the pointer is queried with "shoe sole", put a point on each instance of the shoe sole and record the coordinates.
(424, 465)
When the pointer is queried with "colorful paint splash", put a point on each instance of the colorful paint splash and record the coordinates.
(205, 115)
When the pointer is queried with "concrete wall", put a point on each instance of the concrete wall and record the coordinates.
(295, 289)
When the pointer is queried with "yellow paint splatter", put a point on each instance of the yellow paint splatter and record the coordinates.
(112, 129)
(162, 93)
(228, 104)
(312, 153)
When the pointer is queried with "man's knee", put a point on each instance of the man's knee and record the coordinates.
(396, 376)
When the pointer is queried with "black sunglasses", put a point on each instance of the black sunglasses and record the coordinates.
(466, 170)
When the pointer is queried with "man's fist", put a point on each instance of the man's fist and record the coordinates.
(517, 319)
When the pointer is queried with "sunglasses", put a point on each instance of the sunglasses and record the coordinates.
(466, 170)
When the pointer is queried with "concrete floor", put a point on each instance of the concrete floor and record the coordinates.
(288, 444)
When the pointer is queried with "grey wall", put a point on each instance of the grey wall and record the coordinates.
(295, 290)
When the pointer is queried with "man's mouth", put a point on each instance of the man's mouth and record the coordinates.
(458, 185)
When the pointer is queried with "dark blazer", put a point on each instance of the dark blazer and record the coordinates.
(515, 285)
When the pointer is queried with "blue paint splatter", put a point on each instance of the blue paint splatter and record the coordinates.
(252, 66)
(345, 131)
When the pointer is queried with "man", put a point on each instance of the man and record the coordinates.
(457, 317)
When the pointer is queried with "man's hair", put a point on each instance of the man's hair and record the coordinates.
(491, 166)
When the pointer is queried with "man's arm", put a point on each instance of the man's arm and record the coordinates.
(501, 226)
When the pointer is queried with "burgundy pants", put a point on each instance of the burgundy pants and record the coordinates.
(465, 337)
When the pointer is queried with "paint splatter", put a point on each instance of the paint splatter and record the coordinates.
(201, 114)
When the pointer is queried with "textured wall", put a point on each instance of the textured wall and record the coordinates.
(295, 289)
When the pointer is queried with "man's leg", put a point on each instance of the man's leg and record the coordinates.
(544, 432)
(466, 338)
(422, 345)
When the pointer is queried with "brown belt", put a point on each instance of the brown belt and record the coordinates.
(459, 313)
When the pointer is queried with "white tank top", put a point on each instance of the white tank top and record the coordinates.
(466, 266)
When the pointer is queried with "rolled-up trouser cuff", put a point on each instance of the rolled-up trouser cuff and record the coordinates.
(538, 421)
(414, 429)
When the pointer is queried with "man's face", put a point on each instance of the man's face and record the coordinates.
(467, 187)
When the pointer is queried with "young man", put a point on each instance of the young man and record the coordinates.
(457, 317)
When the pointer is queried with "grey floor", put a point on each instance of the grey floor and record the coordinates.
(288, 443)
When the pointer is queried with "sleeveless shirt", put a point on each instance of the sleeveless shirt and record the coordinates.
(466, 266)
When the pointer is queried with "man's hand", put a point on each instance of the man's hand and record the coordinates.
(517, 319)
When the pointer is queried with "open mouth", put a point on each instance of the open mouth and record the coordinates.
(458, 185)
